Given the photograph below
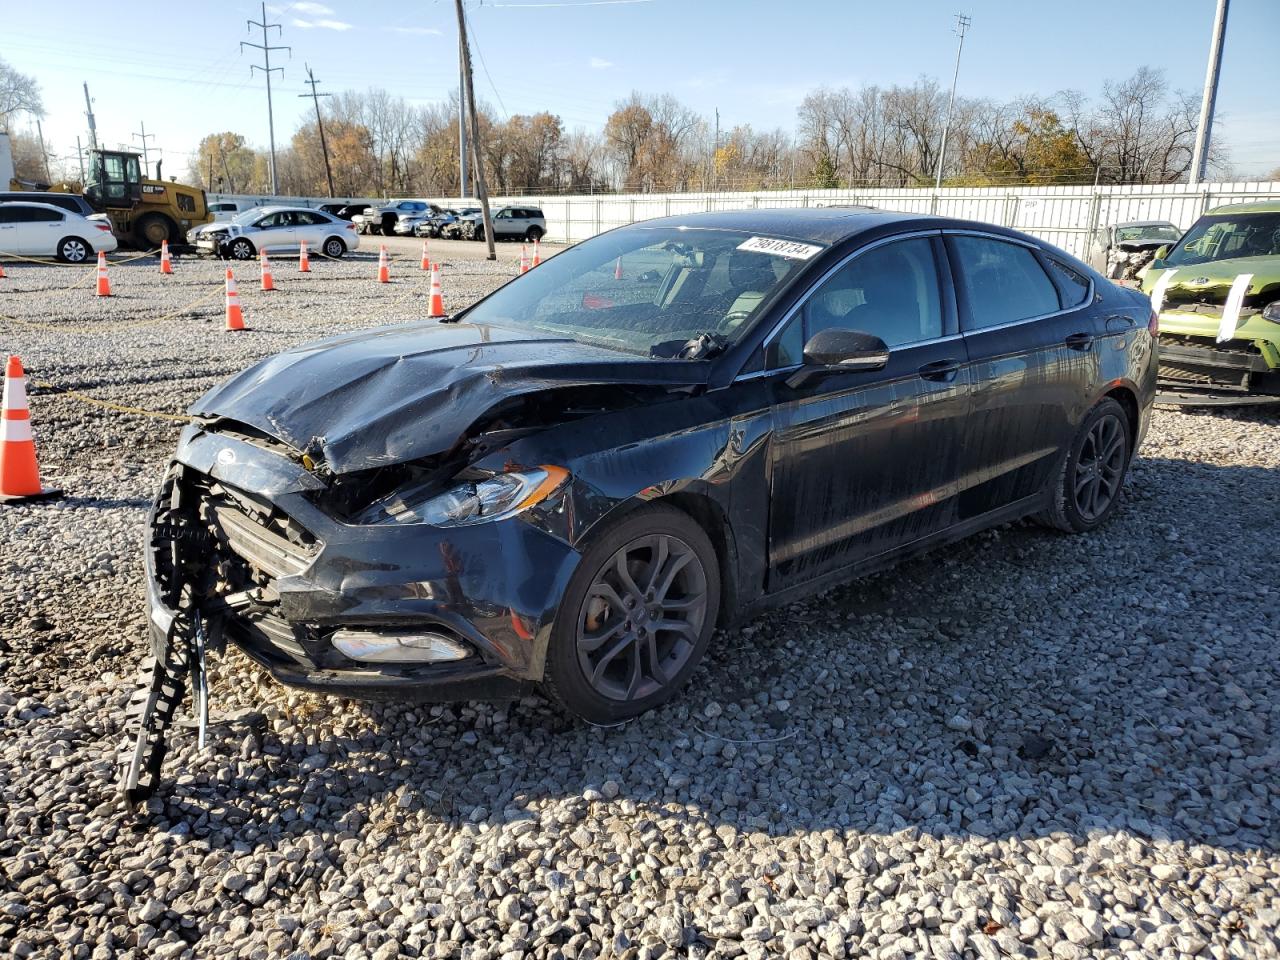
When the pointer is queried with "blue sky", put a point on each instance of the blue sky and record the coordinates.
(177, 67)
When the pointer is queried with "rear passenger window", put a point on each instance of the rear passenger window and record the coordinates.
(1002, 282)
(1072, 285)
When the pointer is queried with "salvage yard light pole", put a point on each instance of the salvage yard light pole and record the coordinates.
(962, 26)
(1204, 131)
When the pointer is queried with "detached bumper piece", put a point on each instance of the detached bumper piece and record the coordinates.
(1196, 371)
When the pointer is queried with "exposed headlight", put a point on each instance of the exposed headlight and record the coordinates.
(502, 495)
(1272, 311)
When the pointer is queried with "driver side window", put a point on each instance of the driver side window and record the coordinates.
(890, 292)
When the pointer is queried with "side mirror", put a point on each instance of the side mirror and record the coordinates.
(1158, 260)
(831, 352)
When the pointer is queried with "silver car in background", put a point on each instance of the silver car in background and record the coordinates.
(279, 230)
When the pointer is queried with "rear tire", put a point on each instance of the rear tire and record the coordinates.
(334, 248)
(533, 234)
(73, 250)
(1087, 486)
(636, 617)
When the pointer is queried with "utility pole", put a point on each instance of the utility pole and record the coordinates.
(961, 27)
(144, 136)
(481, 187)
(462, 128)
(266, 49)
(1200, 155)
(714, 150)
(315, 98)
(93, 129)
(44, 155)
(80, 157)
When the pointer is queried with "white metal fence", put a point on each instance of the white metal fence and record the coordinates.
(1064, 216)
(1061, 215)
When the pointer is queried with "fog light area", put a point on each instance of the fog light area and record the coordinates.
(368, 646)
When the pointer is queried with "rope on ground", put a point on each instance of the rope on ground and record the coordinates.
(46, 262)
(112, 327)
(107, 404)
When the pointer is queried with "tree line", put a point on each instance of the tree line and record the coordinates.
(1137, 130)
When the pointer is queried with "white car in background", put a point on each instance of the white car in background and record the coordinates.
(43, 230)
(278, 229)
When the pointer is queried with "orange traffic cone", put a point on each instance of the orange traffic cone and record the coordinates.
(267, 282)
(436, 306)
(235, 318)
(165, 265)
(104, 284)
(304, 262)
(524, 258)
(384, 268)
(537, 258)
(617, 270)
(1, 271)
(426, 263)
(19, 474)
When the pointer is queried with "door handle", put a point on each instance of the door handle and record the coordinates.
(1080, 341)
(940, 370)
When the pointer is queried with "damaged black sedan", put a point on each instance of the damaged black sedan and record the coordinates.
(660, 430)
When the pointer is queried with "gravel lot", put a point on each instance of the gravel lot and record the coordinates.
(1029, 745)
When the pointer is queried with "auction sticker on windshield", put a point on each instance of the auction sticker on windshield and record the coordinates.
(781, 248)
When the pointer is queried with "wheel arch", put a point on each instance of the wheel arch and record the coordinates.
(1127, 397)
(709, 514)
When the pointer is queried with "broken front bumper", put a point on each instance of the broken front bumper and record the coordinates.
(1197, 370)
(492, 587)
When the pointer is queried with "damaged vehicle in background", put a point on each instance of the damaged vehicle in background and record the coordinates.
(1218, 295)
(664, 429)
(1121, 252)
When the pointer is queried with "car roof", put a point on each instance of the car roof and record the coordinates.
(42, 206)
(808, 224)
(281, 209)
(1146, 223)
(1253, 206)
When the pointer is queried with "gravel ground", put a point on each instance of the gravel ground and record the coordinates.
(1028, 745)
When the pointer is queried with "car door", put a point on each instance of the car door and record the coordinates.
(39, 230)
(1032, 360)
(312, 227)
(10, 235)
(866, 462)
(275, 231)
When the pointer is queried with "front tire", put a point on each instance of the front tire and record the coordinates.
(636, 617)
(1087, 487)
(73, 250)
(533, 234)
(241, 249)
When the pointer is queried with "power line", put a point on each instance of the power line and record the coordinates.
(485, 67)
(315, 98)
(144, 136)
(266, 69)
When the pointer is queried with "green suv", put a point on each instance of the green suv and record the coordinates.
(1202, 360)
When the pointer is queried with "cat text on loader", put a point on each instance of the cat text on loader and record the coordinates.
(143, 212)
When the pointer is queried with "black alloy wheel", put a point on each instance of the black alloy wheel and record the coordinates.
(1100, 467)
(1086, 488)
(636, 618)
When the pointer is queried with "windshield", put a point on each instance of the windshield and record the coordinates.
(247, 216)
(1150, 231)
(1228, 237)
(660, 292)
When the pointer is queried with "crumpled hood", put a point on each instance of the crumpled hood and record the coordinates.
(398, 393)
(1210, 282)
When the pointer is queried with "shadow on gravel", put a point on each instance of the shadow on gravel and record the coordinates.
(1019, 684)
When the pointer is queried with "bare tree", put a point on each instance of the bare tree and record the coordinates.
(19, 93)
